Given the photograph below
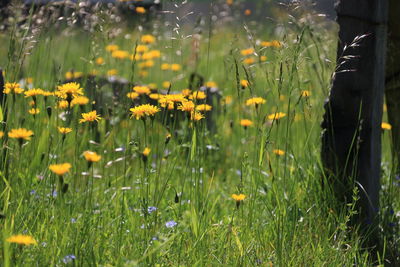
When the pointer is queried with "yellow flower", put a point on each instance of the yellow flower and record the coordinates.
(20, 133)
(198, 95)
(91, 156)
(64, 130)
(255, 101)
(140, 10)
(12, 88)
(141, 48)
(203, 107)
(60, 169)
(99, 61)
(211, 84)
(156, 96)
(73, 75)
(227, 100)
(79, 100)
(187, 106)
(112, 47)
(22, 240)
(276, 116)
(141, 89)
(249, 61)
(34, 111)
(246, 123)
(263, 58)
(144, 110)
(196, 116)
(273, 43)
(165, 66)
(305, 93)
(244, 83)
(120, 54)
(62, 104)
(146, 151)
(33, 92)
(239, 197)
(90, 116)
(166, 84)
(386, 126)
(175, 67)
(148, 39)
(186, 92)
(29, 80)
(278, 152)
(132, 95)
(69, 90)
(247, 52)
(1, 134)
(112, 72)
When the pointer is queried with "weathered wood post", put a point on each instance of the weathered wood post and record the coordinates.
(351, 140)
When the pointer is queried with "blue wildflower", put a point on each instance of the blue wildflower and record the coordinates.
(171, 224)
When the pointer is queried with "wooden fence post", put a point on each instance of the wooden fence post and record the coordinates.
(351, 140)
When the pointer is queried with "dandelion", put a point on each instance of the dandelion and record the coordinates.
(305, 93)
(112, 47)
(90, 117)
(64, 130)
(386, 126)
(196, 116)
(79, 100)
(238, 198)
(33, 92)
(12, 88)
(112, 72)
(132, 95)
(100, 61)
(211, 84)
(187, 106)
(186, 92)
(20, 134)
(146, 151)
(247, 52)
(244, 83)
(249, 61)
(263, 58)
(144, 110)
(198, 95)
(140, 10)
(276, 116)
(120, 54)
(60, 169)
(246, 123)
(278, 152)
(167, 138)
(69, 90)
(255, 101)
(203, 107)
(63, 104)
(141, 48)
(69, 75)
(165, 66)
(91, 156)
(175, 67)
(148, 39)
(22, 240)
(34, 111)
(166, 84)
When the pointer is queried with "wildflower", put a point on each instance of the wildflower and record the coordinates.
(1, 134)
(112, 47)
(20, 133)
(135, 57)
(196, 116)
(247, 12)
(22, 240)
(249, 61)
(165, 66)
(73, 75)
(144, 110)
(69, 258)
(244, 83)
(47, 93)
(120, 54)
(386, 126)
(198, 95)
(273, 43)
(238, 198)
(62, 104)
(278, 152)
(141, 48)
(80, 100)
(91, 156)
(156, 96)
(175, 67)
(276, 116)
(167, 138)
(186, 92)
(203, 107)
(141, 90)
(33, 92)
(254, 101)
(247, 52)
(34, 111)
(29, 80)
(112, 72)
(166, 84)
(60, 169)
(170, 224)
(305, 93)
(246, 123)
(69, 90)
(140, 10)
(227, 100)
(146, 151)
(187, 106)
(211, 84)
(132, 95)
(151, 209)
(64, 130)
(99, 61)
(90, 116)
(263, 58)
(148, 39)
(12, 88)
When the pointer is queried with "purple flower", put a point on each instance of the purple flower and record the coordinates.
(151, 209)
(69, 258)
(170, 224)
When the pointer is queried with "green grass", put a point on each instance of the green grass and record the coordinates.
(287, 217)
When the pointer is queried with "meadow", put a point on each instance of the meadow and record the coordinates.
(140, 170)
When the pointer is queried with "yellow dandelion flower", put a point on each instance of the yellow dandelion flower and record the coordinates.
(278, 152)
(132, 95)
(69, 75)
(120, 54)
(175, 67)
(247, 52)
(156, 96)
(29, 80)
(198, 95)
(203, 107)
(34, 111)
(244, 83)
(20, 133)
(144, 110)
(187, 106)
(140, 10)
(305, 93)
(166, 84)
(22, 240)
(239, 197)
(263, 58)
(186, 92)
(141, 48)
(141, 90)
(47, 93)
(112, 47)
(276, 116)
(90, 117)
(100, 61)
(91, 156)
(196, 116)
(246, 123)
(33, 92)
(227, 100)
(64, 130)
(165, 66)
(386, 126)
(148, 39)
(211, 84)
(12, 88)
(112, 72)
(60, 169)
(146, 151)
(135, 57)
(69, 90)
(249, 61)
(63, 104)
(79, 100)
(255, 101)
